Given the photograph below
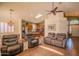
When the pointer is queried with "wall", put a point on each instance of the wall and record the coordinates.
(59, 21)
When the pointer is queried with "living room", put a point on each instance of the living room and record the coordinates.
(49, 28)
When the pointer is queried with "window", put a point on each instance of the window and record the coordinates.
(2, 27)
(74, 21)
(5, 28)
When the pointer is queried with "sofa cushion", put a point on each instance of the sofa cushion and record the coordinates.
(51, 34)
(61, 36)
(61, 39)
(34, 41)
(52, 42)
(10, 39)
(12, 48)
(47, 40)
(58, 42)
(9, 36)
(9, 42)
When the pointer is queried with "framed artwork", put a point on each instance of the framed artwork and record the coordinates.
(52, 27)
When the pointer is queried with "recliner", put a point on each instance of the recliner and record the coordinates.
(50, 38)
(58, 39)
(10, 45)
(32, 41)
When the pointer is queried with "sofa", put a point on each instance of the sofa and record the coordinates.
(56, 39)
(11, 45)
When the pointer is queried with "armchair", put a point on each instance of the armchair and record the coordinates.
(32, 41)
(10, 45)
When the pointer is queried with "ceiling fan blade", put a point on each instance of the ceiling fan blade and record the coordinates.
(54, 13)
(55, 8)
(59, 11)
(48, 13)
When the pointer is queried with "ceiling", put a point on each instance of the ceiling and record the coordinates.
(28, 10)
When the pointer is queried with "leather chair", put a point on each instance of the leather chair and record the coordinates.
(32, 41)
(10, 45)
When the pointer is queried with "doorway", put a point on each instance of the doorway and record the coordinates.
(73, 27)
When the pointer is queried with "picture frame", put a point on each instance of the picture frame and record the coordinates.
(52, 27)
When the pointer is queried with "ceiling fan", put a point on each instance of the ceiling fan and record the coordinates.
(54, 10)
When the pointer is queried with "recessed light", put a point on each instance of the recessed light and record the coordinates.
(37, 16)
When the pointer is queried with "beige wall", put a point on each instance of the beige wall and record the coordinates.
(59, 21)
